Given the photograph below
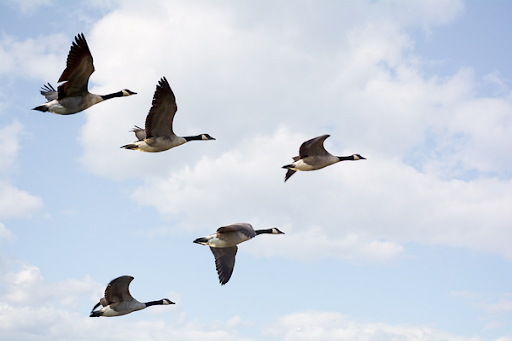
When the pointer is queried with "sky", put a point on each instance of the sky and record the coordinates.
(411, 244)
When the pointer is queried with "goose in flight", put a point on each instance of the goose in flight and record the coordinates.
(118, 301)
(224, 242)
(72, 96)
(158, 134)
(313, 156)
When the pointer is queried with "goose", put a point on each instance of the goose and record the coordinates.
(118, 301)
(73, 96)
(313, 156)
(224, 242)
(158, 134)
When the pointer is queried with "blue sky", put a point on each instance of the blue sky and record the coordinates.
(412, 244)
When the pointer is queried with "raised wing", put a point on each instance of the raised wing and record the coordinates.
(79, 68)
(117, 290)
(224, 262)
(49, 92)
(244, 228)
(314, 146)
(163, 109)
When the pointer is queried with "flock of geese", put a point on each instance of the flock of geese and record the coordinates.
(73, 96)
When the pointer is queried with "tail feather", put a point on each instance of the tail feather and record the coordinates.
(130, 146)
(42, 108)
(201, 240)
(96, 314)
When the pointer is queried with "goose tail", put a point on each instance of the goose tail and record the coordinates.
(96, 314)
(202, 240)
(42, 108)
(130, 146)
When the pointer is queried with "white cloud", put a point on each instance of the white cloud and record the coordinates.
(34, 58)
(29, 6)
(503, 306)
(17, 203)
(253, 87)
(318, 325)
(13, 201)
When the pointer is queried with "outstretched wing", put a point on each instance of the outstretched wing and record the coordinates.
(79, 68)
(117, 290)
(163, 109)
(314, 146)
(224, 262)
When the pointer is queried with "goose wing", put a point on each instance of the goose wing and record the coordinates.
(163, 109)
(117, 290)
(314, 146)
(224, 262)
(79, 68)
(243, 228)
(102, 302)
(48, 92)
(289, 173)
(140, 133)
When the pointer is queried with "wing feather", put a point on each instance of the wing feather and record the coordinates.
(314, 146)
(163, 108)
(79, 67)
(224, 262)
(48, 92)
(117, 290)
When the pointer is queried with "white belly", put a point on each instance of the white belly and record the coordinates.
(227, 239)
(158, 144)
(314, 162)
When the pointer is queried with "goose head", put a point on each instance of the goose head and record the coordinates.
(358, 157)
(275, 230)
(127, 92)
(206, 137)
(166, 301)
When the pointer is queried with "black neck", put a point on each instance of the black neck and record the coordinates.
(263, 231)
(148, 304)
(115, 94)
(344, 158)
(193, 138)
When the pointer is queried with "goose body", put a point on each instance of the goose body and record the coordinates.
(158, 135)
(73, 96)
(223, 245)
(118, 300)
(313, 156)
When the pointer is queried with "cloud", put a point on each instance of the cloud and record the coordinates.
(437, 169)
(503, 306)
(13, 201)
(34, 58)
(319, 325)
(29, 6)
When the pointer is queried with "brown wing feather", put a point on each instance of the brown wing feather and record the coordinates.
(117, 290)
(163, 108)
(79, 68)
(314, 146)
(224, 262)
